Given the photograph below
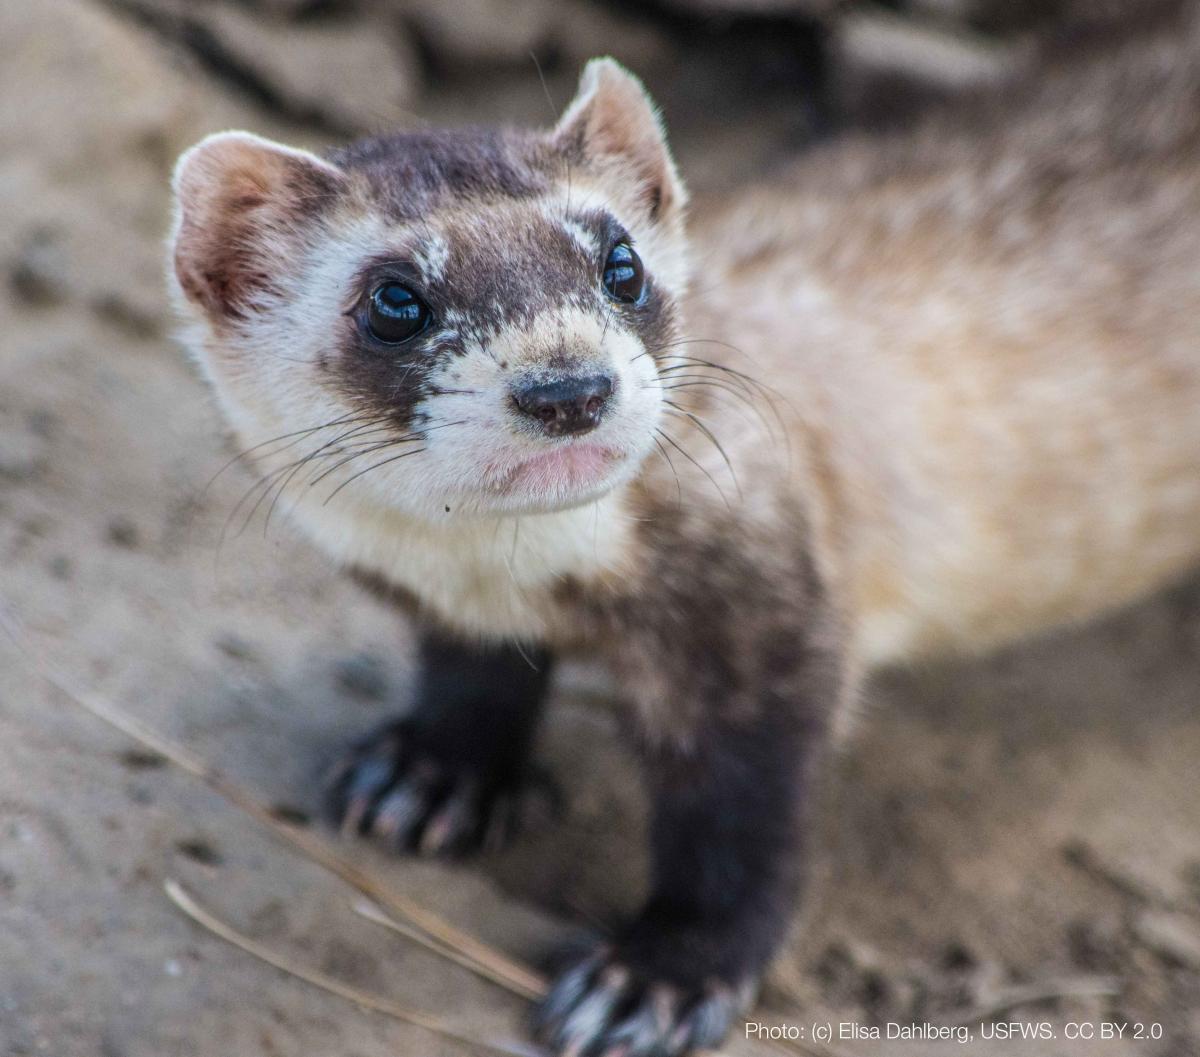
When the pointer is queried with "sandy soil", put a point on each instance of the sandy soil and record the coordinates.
(1027, 821)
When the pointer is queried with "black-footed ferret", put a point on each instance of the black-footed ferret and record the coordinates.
(918, 395)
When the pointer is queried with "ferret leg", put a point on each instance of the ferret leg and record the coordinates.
(730, 837)
(446, 777)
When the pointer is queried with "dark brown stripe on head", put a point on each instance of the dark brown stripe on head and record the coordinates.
(411, 174)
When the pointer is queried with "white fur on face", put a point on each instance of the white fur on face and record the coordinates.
(663, 249)
(417, 464)
(265, 369)
(469, 454)
(482, 504)
(431, 257)
(483, 459)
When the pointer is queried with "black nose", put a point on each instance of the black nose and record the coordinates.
(568, 405)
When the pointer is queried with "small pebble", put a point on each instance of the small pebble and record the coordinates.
(233, 645)
(123, 533)
(36, 275)
(199, 850)
(136, 320)
(142, 760)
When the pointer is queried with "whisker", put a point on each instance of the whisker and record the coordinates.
(674, 409)
(731, 374)
(374, 466)
(684, 381)
(513, 554)
(327, 450)
(687, 363)
(268, 481)
(265, 483)
(608, 318)
(701, 341)
(553, 116)
(278, 488)
(694, 381)
(687, 455)
(675, 473)
(300, 434)
(391, 442)
(407, 438)
(769, 394)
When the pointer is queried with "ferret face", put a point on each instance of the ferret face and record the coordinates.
(446, 324)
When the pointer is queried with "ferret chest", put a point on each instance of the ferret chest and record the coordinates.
(494, 577)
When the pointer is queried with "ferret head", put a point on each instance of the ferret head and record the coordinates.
(442, 323)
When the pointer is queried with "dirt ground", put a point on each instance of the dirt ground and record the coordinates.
(1021, 824)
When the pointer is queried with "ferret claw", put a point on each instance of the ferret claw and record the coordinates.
(394, 789)
(601, 1008)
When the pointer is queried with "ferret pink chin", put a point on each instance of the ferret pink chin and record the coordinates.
(568, 467)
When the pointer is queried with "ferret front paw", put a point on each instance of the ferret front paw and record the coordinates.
(605, 1005)
(400, 787)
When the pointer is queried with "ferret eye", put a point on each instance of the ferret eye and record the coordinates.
(395, 314)
(624, 277)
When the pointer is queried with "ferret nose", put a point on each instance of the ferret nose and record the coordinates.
(567, 405)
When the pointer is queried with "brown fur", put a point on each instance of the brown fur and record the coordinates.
(218, 260)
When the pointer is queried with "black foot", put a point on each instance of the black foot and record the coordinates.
(399, 786)
(603, 1005)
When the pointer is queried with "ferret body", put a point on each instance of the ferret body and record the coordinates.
(908, 397)
(994, 347)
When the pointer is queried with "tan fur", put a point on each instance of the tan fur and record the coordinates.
(991, 339)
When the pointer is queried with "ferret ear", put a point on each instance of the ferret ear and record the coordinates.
(613, 118)
(244, 206)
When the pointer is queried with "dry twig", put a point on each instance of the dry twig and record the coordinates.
(1081, 987)
(184, 901)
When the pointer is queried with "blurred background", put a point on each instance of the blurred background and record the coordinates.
(1025, 824)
